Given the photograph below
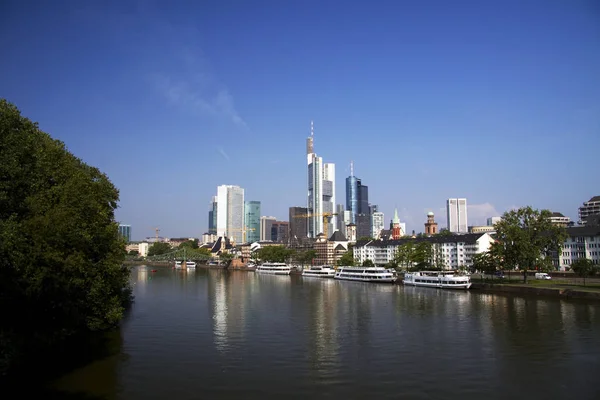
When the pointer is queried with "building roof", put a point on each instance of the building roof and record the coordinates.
(468, 238)
(339, 247)
(595, 198)
(557, 214)
(587, 230)
(338, 237)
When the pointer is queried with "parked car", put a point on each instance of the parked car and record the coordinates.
(542, 275)
(499, 274)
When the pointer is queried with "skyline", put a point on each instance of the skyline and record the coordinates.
(496, 103)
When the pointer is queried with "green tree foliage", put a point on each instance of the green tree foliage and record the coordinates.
(159, 248)
(486, 262)
(133, 253)
(414, 255)
(305, 257)
(584, 268)
(347, 259)
(444, 232)
(190, 244)
(368, 263)
(61, 256)
(274, 254)
(526, 238)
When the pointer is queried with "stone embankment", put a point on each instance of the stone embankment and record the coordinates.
(538, 291)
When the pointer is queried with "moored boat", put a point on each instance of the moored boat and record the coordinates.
(366, 274)
(319, 271)
(274, 268)
(190, 264)
(437, 279)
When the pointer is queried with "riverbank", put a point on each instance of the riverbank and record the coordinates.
(532, 289)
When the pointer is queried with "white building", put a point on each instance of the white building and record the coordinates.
(321, 189)
(377, 223)
(559, 219)
(589, 208)
(456, 211)
(455, 250)
(583, 242)
(230, 212)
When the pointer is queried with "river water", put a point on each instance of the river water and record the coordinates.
(214, 334)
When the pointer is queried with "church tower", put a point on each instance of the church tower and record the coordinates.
(431, 227)
(396, 230)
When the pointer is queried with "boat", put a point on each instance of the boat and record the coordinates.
(319, 271)
(366, 274)
(190, 264)
(437, 279)
(177, 264)
(274, 268)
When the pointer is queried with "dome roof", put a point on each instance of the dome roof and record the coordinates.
(430, 214)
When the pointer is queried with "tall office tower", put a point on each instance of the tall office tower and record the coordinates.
(279, 231)
(373, 208)
(589, 209)
(363, 198)
(252, 221)
(352, 193)
(321, 189)
(125, 231)
(339, 209)
(212, 216)
(266, 228)
(456, 210)
(378, 223)
(298, 227)
(230, 212)
(363, 225)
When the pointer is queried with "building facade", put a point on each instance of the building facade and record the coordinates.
(378, 223)
(279, 231)
(266, 228)
(453, 251)
(582, 242)
(590, 207)
(456, 210)
(298, 225)
(252, 221)
(125, 232)
(230, 212)
(558, 219)
(491, 221)
(321, 189)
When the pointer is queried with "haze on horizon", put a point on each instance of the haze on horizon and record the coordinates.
(497, 102)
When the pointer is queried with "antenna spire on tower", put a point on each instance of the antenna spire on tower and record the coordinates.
(351, 168)
(312, 129)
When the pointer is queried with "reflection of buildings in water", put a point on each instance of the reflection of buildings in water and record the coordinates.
(324, 325)
(228, 294)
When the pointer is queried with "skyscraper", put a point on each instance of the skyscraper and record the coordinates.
(352, 193)
(378, 223)
(456, 210)
(266, 227)
(230, 212)
(321, 189)
(357, 202)
(252, 221)
(298, 227)
(212, 216)
(125, 231)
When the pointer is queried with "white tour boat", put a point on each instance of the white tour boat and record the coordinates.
(365, 274)
(437, 279)
(319, 271)
(178, 264)
(190, 264)
(274, 268)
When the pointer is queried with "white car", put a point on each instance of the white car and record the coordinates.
(542, 275)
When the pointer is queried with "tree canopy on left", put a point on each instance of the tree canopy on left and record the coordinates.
(61, 269)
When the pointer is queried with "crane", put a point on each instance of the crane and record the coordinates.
(156, 230)
(325, 215)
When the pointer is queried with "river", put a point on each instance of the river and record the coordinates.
(214, 334)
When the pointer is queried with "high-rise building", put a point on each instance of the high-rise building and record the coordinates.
(363, 225)
(491, 221)
(125, 231)
(279, 231)
(378, 223)
(298, 226)
(212, 216)
(357, 197)
(339, 209)
(252, 221)
(321, 189)
(363, 198)
(230, 212)
(589, 208)
(266, 228)
(456, 210)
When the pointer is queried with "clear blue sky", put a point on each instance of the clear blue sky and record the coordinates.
(495, 101)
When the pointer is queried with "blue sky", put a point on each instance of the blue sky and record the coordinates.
(495, 101)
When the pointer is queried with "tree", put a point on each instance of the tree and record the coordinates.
(159, 248)
(422, 255)
(444, 232)
(584, 268)
(305, 257)
(61, 255)
(190, 244)
(274, 254)
(404, 255)
(368, 263)
(347, 259)
(133, 253)
(526, 238)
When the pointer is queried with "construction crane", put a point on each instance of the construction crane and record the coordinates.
(156, 230)
(326, 216)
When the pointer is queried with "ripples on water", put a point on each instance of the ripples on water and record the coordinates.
(219, 334)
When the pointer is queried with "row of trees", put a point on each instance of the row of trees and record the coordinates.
(283, 254)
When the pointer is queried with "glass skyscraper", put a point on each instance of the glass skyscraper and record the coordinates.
(125, 231)
(252, 219)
